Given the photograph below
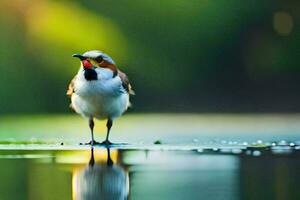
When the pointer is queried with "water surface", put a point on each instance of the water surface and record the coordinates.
(158, 156)
(222, 172)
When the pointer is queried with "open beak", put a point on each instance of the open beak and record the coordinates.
(81, 57)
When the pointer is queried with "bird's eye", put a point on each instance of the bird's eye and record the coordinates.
(99, 59)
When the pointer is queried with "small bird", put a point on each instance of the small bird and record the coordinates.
(99, 90)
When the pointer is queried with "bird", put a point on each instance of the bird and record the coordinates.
(99, 90)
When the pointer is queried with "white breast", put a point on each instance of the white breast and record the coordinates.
(103, 98)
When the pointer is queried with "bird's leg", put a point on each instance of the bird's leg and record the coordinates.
(92, 159)
(91, 124)
(108, 125)
(109, 160)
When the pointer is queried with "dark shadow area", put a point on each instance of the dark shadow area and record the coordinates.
(270, 177)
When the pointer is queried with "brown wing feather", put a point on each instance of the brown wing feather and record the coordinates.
(71, 88)
(125, 82)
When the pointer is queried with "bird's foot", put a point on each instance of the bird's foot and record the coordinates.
(106, 143)
(92, 143)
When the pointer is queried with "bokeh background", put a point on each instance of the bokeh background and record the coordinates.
(181, 56)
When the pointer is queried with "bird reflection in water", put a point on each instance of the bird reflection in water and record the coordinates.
(104, 181)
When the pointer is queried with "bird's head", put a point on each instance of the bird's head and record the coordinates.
(95, 58)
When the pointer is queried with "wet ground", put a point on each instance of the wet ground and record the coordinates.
(188, 157)
(222, 172)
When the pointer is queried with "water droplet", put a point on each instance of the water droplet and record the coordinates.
(245, 143)
(200, 150)
(236, 151)
(273, 144)
(259, 141)
(195, 140)
(297, 147)
(292, 144)
(256, 153)
(215, 149)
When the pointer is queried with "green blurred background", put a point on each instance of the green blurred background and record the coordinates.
(181, 56)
